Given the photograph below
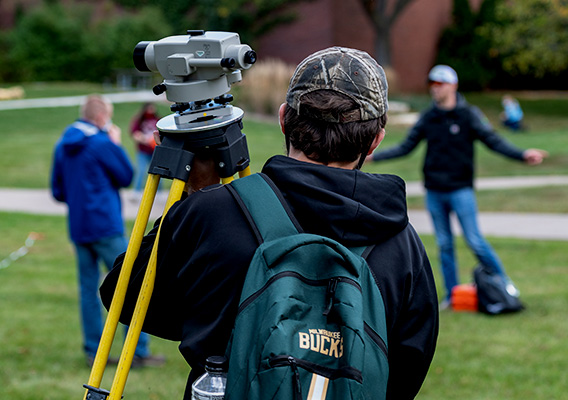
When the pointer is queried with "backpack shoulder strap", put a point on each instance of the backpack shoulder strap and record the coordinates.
(263, 205)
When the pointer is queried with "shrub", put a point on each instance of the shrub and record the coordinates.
(123, 34)
(53, 43)
(48, 43)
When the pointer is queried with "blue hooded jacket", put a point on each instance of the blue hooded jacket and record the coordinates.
(88, 171)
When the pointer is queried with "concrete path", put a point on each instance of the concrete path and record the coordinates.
(516, 225)
(69, 101)
(497, 183)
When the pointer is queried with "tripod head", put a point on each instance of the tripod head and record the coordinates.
(198, 70)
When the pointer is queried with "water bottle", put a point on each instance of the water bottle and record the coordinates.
(211, 385)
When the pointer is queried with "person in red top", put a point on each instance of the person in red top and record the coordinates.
(142, 130)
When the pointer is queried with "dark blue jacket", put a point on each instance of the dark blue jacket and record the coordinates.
(450, 134)
(88, 171)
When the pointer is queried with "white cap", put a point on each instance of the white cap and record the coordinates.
(443, 73)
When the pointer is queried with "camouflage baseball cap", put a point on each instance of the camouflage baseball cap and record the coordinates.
(351, 72)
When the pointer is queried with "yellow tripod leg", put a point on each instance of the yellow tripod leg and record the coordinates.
(142, 303)
(243, 173)
(132, 250)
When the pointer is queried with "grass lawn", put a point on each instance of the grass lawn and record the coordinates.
(478, 357)
(41, 351)
(30, 136)
(517, 356)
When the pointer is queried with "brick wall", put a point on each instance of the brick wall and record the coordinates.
(324, 23)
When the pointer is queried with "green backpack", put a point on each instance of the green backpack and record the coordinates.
(311, 319)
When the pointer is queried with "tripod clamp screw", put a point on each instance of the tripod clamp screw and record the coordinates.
(224, 99)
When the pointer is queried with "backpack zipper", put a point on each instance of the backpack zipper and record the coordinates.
(330, 295)
(375, 337)
(330, 373)
(297, 383)
(312, 282)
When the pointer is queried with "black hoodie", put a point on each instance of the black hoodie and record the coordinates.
(449, 159)
(206, 245)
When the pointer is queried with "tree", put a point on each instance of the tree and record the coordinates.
(47, 43)
(383, 14)
(530, 36)
(53, 42)
(250, 18)
(173, 11)
(465, 49)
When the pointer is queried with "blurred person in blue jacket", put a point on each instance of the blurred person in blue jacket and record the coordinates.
(89, 168)
(512, 115)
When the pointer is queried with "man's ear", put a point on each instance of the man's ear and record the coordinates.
(281, 112)
(376, 141)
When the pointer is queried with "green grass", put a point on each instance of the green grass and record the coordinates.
(545, 115)
(488, 163)
(478, 357)
(517, 356)
(550, 199)
(40, 90)
(29, 137)
(41, 350)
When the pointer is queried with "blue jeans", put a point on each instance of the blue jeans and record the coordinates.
(142, 165)
(462, 202)
(88, 256)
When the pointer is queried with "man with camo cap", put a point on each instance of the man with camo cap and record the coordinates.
(334, 116)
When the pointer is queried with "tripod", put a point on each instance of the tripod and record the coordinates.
(216, 134)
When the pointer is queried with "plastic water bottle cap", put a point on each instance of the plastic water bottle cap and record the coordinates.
(216, 364)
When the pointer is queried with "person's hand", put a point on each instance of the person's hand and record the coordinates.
(534, 156)
(202, 174)
(114, 134)
(157, 138)
(138, 136)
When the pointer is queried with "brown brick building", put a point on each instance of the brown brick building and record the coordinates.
(323, 23)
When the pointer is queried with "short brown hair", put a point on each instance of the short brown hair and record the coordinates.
(327, 142)
(95, 105)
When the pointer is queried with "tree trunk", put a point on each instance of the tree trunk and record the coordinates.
(382, 47)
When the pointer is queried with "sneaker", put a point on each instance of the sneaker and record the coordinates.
(150, 361)
(512, 289)
(446, 304)
(110, 361)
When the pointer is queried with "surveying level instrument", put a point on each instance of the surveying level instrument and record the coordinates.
(198, 70)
